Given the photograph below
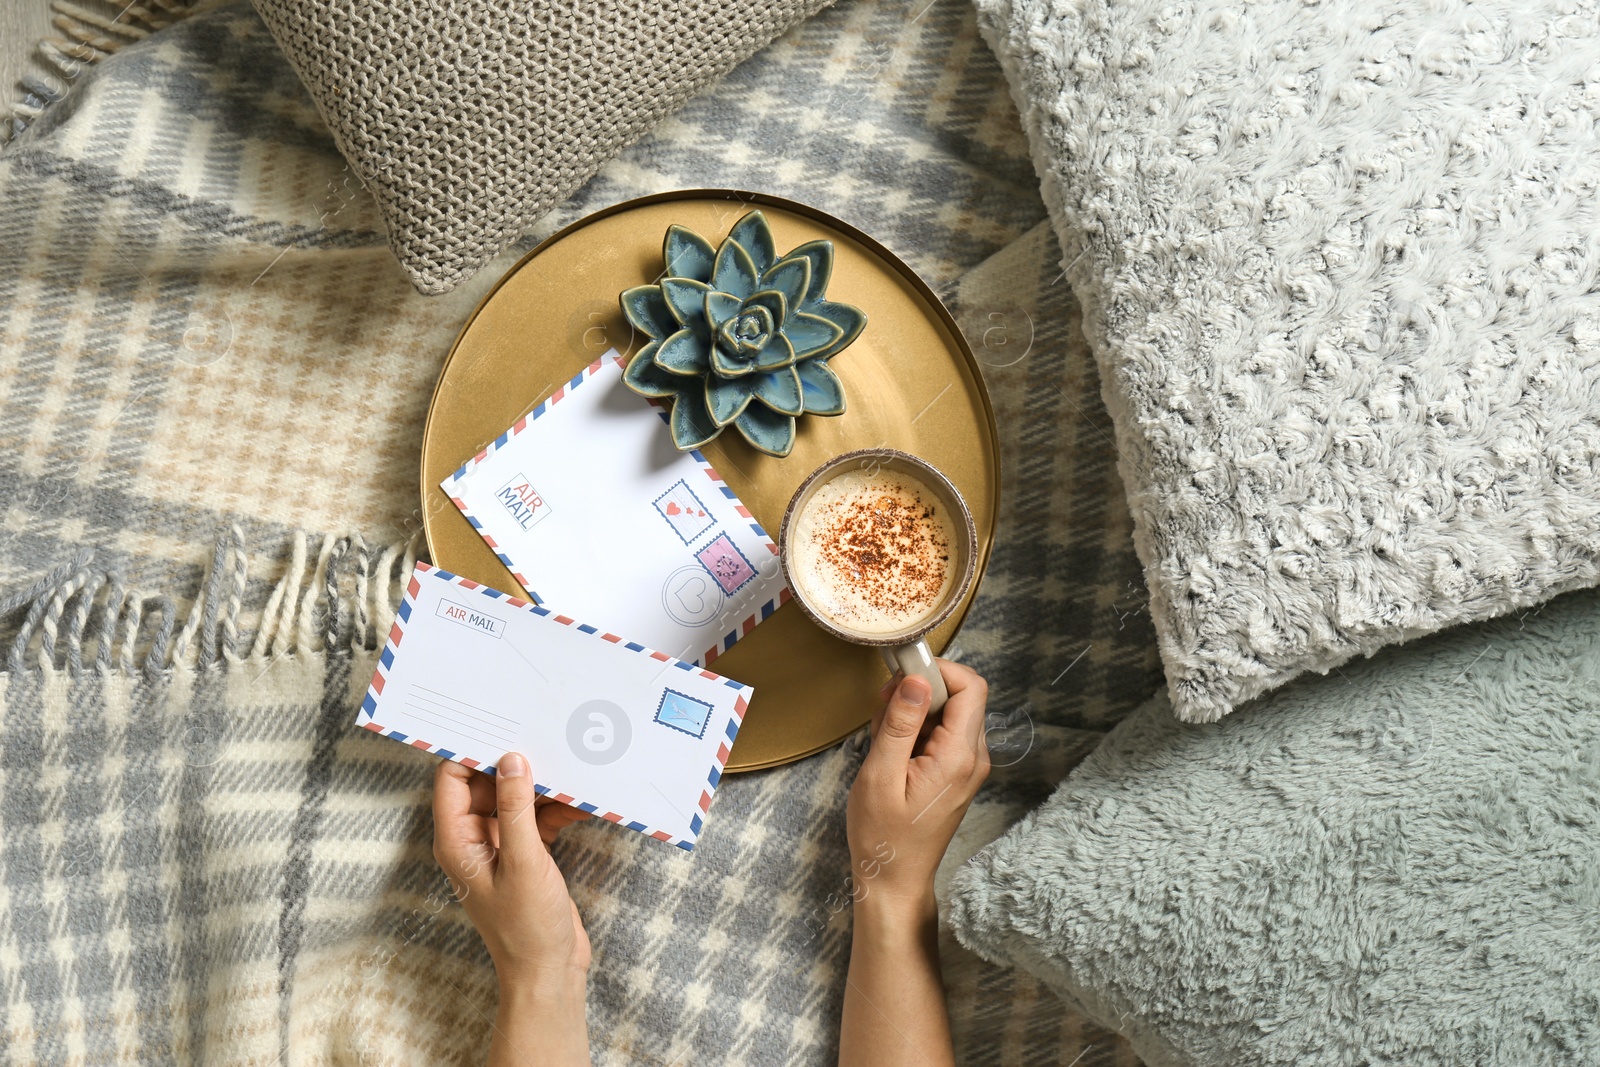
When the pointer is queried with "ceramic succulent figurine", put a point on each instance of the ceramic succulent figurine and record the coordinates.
(740, 336)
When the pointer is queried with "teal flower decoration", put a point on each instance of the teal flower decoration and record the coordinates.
(740, 336)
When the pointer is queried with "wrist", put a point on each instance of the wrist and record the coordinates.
(542, 1015)
(897, 913)
(552, 986)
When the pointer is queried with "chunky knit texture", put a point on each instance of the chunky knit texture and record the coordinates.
(468, 121)
(1339, 264)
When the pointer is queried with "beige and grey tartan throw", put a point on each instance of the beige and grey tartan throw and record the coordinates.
(213, 377)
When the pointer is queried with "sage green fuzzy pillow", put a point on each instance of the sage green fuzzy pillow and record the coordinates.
(1399, 864)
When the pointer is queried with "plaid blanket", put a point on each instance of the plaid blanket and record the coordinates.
(213, 378)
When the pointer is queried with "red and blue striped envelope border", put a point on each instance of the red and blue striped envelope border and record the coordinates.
(723, 643)
(369, 706)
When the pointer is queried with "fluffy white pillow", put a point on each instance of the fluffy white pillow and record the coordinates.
(1338, 262)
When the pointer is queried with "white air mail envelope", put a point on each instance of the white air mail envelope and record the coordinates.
(633, 735)
(596, 514)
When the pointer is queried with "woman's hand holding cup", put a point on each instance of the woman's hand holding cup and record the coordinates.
(915, 785)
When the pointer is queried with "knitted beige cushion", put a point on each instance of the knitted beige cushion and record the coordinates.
(468, 120)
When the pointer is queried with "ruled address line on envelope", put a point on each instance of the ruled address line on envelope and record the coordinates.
(430, 706)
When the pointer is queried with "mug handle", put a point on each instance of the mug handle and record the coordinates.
(917, 658)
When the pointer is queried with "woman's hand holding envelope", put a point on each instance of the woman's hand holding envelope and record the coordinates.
(492, 837)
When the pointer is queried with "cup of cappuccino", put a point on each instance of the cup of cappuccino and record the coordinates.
(879, 548)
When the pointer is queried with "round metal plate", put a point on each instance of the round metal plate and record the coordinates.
(910, 382)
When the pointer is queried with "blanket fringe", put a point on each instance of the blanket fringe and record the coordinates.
(86, 33)
(340, 604)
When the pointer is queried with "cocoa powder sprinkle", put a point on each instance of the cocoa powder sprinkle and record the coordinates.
(894, 557)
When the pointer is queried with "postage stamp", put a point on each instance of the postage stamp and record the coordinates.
(683, 712)
(684, 512)
(726, 563)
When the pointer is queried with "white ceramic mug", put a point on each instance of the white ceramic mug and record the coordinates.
(906, 651)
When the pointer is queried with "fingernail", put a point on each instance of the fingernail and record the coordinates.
(513, 765)
(915, 691)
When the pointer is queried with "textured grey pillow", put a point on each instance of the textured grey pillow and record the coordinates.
(1398, 868)
(468, 120)
(1338, 262)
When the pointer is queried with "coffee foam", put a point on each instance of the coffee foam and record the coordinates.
(873, 552)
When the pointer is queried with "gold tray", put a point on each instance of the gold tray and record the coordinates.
(910, 383)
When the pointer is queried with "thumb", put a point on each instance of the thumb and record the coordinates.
(520, 844)
(902, 722)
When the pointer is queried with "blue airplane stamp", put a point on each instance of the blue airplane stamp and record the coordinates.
(683, 713)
